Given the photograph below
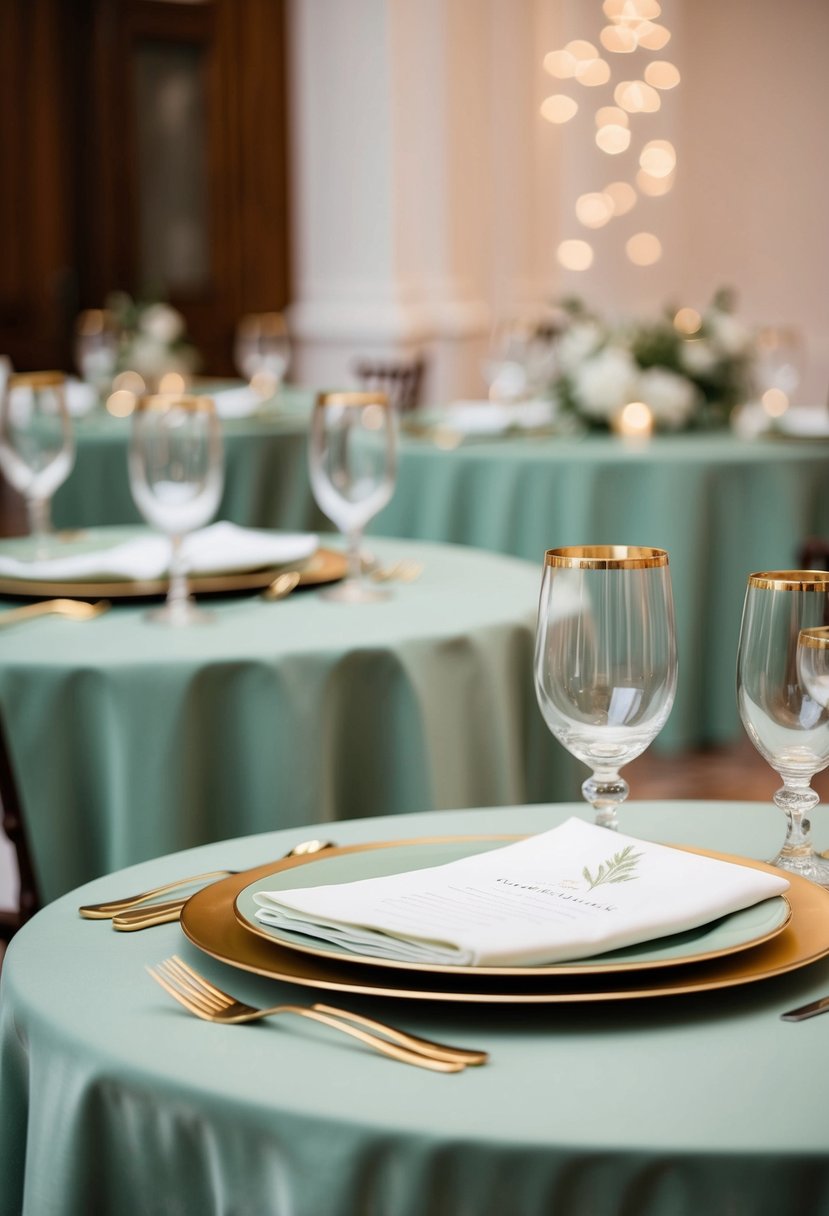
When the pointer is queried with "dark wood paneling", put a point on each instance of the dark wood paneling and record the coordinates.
(68, 207)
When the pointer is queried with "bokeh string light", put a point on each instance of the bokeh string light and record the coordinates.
(632, 25)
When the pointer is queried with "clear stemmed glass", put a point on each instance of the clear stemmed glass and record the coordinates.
(778, 361)
(96, 348)
(262, 351)
(37, 447)
(788, 726)
(353, 462)
(521, 358)
(176, 477)
(605, 659)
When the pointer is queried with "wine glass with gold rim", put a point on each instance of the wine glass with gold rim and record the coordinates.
(37, 447)
(784, 718)
(176, 476)
(352, 455)
(605, 659)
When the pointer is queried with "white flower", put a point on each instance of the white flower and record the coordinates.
(671, 398)
(698, 357)
(728, 334)
(605, 382)
(576, 344)
(162, 323)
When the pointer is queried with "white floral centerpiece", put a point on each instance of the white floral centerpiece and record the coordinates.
(151, 338)
(689, 369)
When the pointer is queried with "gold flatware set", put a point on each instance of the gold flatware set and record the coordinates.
(203, 999)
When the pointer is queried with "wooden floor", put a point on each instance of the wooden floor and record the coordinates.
(737, 773)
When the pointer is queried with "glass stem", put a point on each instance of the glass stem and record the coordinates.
(177, 592)
(354, 555)
(606, 791)
(796, 798)
(40, 523)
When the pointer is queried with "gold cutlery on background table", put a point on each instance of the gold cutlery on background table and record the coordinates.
(211, 1004)
(404, 571)
(74, 610)
(129, 913)
(282, 586)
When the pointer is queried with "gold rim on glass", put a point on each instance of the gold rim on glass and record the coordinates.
(606, 557)
(817, 638)
(36, 379)
(184, 401)
(352, 398)
(790, 580)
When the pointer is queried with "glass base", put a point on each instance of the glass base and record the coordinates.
(179, 612)
(351, 591)
(804, 862)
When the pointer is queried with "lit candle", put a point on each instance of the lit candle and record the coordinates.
(634, 421)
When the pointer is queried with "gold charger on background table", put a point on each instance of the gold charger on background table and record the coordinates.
(727, 934)
(210, 922)
(323, 566)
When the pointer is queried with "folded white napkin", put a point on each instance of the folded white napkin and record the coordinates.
(573, 892)
(493, 418)
(223, 547)
(238, 402)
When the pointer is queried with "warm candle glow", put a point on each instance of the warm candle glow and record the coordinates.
(634, 421)
(644, 249)
(662, 75)
(622, 195)
(121, 403)
(613, 139)
(687, 321)
(575, 255)
(607, 116)
(558, 108)
(651, 36)
(593, 73)
(560, 64)
(658, 157)
(654, 187)
(172, 382)
(618, 39)
(594, 210)
(775, 402)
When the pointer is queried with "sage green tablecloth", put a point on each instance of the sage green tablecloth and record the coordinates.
(722, 507)
(113, 1099)
(132, 739)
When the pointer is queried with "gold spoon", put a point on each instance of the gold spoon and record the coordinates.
(170, 910)
(281, 586)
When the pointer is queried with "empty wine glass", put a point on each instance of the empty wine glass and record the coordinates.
(605, 659)
(262, 351)
(521, 358)
(352, 458)
(37, 447)
(96, 348)
(176, 477)
(787, 724)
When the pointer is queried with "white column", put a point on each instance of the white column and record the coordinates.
(414, 188)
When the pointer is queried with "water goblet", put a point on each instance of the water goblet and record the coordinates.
(785, 721)
(605, 659)
(262, 351)
(37, 446)
(176, 477)
(353, 462)
(96, 348)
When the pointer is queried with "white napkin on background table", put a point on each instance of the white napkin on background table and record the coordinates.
(221, 548)
(237, 402)
(570, 893)
(493, 418)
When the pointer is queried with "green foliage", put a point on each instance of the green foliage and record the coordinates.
(618, 868)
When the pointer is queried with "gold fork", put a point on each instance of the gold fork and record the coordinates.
(75, 610)
(210, 1003)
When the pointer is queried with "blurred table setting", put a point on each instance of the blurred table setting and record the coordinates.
(592, 1087)
(273, 713)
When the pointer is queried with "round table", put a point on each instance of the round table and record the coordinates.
(113, 1098)
(722, 506)
(132, 739)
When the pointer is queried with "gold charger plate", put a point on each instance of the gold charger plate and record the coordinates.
(323, 566)
(209, 921)
(727, 934)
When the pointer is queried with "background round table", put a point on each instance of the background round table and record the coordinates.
(114, 1099)
(722, 506)
(132, 739)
